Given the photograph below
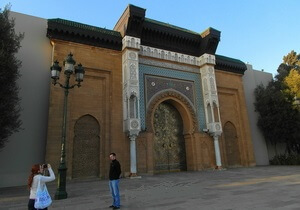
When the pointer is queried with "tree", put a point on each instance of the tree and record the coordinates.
(292, 59)
(276, 116)
(292, 80)
(278, 120)
(9, 73)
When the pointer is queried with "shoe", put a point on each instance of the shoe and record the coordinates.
(115, 207)
(112, 206)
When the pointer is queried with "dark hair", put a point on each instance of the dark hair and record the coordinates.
(113, 154)
(35, 169)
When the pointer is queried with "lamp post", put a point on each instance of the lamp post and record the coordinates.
(69, 63)
(297, 102)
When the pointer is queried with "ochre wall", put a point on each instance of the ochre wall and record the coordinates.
(99, 96)
(233, 109)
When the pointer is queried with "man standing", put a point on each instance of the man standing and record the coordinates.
(114, 176)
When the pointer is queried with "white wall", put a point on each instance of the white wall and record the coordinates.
(27, 147)
(251, 79)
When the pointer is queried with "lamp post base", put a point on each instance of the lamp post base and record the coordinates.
(60, 195)
(61, 192)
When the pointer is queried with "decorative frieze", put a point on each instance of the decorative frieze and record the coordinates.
(168, 65)
(177, 57)
(207, 59)
(131, 42)
(169, 55)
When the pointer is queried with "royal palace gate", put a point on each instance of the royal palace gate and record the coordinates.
(154, 93)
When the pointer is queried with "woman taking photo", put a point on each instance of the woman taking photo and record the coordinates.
(36, 175)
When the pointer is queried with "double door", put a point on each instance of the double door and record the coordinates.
(169, 145)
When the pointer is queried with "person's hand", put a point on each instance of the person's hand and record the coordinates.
(49, 166)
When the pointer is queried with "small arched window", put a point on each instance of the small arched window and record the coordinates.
(133, 107)
(216, 112)
(209, 113)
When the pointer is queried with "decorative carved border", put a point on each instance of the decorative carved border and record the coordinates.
(169, 55)
(169, 93)
(131, 42)
(167, 65)
(177, 57)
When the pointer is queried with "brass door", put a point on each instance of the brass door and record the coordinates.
(86, 148)
(231, 145)
(169, 145)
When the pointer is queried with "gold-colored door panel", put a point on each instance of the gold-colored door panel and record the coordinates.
(86, 148)
(169, 146)
(231, 145)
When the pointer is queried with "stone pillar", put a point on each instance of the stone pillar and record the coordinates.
(133, 170)
(217, 152)
(211, 102)
(131, 95)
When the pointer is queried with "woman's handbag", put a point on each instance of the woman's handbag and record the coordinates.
(43, 199)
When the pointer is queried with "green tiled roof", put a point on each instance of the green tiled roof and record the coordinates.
(83, 33)
(231, 60)
(85, 26)
(170, 26)
(230, 64)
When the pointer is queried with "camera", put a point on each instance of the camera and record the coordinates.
(45, 166)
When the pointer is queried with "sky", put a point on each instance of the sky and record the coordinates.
(258, 32)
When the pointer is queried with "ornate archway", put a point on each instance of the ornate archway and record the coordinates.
(171, 104)
(86, 148)
(180, 102)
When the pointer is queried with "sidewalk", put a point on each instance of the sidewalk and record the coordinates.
(268, 187)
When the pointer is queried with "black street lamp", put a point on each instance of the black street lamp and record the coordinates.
(297, 102)
(79, 73)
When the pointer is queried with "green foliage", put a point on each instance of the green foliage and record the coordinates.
(278, 119)
(293, 82)
(283, 71)
(9, 73)
(292, 59)
(284, 159)
(289, 74)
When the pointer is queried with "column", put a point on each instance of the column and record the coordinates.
(211, 102)
(133, 170)
(217, 152)
(131, 95)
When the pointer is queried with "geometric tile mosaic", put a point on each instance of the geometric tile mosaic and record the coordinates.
(154, 84)
(173, 78)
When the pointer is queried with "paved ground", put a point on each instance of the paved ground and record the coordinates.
(270, 187)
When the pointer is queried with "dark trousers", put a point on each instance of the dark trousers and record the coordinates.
(31, 205)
